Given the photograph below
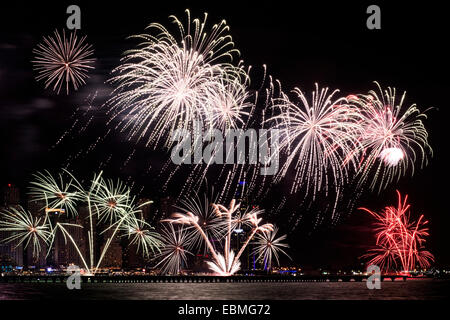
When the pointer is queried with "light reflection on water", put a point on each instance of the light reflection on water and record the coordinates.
(423, 289)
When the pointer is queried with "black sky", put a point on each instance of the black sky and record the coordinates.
(302, 44)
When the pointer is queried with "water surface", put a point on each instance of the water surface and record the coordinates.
(411, 289)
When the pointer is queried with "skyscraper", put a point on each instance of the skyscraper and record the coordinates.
(11, 252)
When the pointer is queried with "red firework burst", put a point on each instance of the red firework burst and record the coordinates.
(400, 240)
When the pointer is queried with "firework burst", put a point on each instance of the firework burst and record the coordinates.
(394, 138)
(227, 263)
(317, 137)
(175, 248)
(400, 240)
(61, 60)
(205, 216)
(107, 201)
(140, 233)
(62, 192)
(229, 105)
(24, 228)
(111, 200)
(168, 84)
(268, 246)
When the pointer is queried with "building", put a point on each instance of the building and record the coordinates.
(11, 253)
(11, 195)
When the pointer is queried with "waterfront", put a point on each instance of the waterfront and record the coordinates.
(424, 289)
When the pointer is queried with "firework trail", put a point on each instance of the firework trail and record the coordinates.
(225, 265)
(61, 60)
(169, 83)
(400, 240)
(316, 136)
(393, 140)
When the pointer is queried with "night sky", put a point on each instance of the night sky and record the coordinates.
(311, 42)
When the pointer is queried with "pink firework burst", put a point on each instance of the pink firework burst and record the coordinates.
(393, 138)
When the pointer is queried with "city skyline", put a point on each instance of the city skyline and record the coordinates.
(120, 254)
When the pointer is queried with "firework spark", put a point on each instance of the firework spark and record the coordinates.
(60, 60)
(400, 241)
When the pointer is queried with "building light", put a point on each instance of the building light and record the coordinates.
(55, 210)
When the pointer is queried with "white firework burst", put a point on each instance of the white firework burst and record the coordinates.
(168, 84)
(229, 105)
(24, 228)
(268, 246)
(204, 214)
(61, 60)
(111, 199)
(225, 266)
(317, 136)
(175, 249)
(62, 192)
(141, 234)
